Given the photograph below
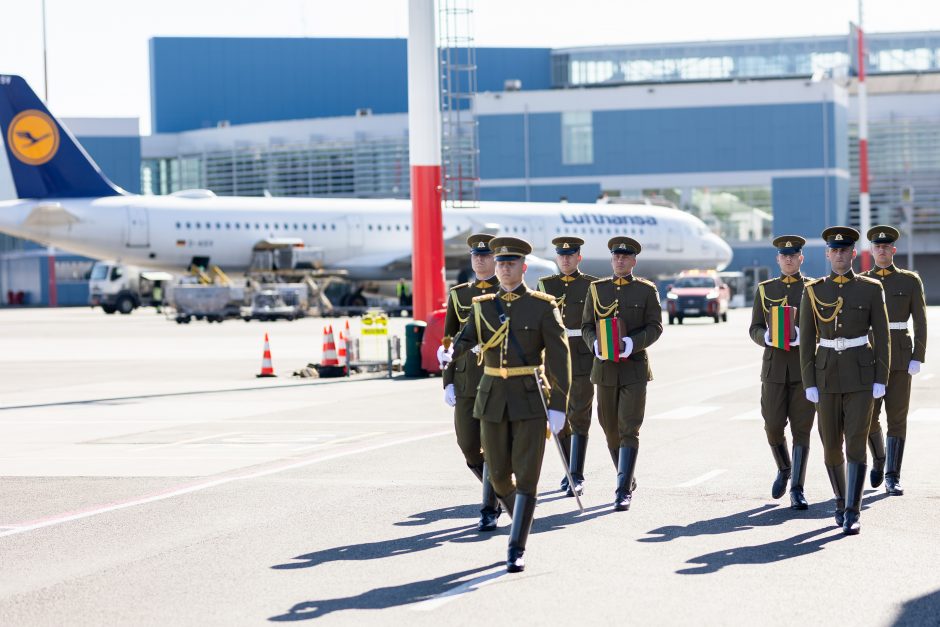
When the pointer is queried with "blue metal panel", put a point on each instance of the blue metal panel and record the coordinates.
(586, 192)
(807, 205)
(504, 194)
(753, 254)
(198, 82)
(651, 141)
(118, 158)
(502, 146)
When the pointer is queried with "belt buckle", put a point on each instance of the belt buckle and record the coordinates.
(504, 373)
(840, 343)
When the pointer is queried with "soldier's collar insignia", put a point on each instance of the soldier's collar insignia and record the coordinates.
(790, 279)
(622, 281)
(883, 272)
(568, 278)
(483, 285)
(841, 278)
(509, 296)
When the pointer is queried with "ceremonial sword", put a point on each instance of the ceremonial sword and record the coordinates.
(561, 451)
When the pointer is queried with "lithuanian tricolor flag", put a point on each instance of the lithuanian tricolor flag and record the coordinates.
(781, 326)
(608, 339)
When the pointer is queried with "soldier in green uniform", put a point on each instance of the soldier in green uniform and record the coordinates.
(621, 385)
(570, 288)
(462, 392)
(782, 398)
(904, 296)
(512, 328)
(846, 372)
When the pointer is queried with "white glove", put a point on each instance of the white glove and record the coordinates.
(913, 367)
(627, 347)
(812, 395)
(444, 355)
(476, 349)
(597, 350)
(450, 397)
(878, 390)
(767, 338)
(556, 420)
(796, 340)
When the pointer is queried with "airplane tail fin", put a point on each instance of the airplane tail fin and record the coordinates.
(45, 159)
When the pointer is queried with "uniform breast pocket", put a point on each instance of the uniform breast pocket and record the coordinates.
(858, 316)
(633, 314)
(899, 300)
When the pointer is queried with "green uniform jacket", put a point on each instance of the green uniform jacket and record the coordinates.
(637, 303)
(570, 292)
(862, 311)
(535, 322)
(780, 366)
(904, 297)
(459, 307)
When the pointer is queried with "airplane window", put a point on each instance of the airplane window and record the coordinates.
(228, 225)
(313, 226)
(218, 225)
(188, 225)
(407, 227)
(296, 228)
(276, 226)
(238, 225)
(524, 230)
(208, 225)
(266, 227)
(177, 225)
(305, 226)
(323, 226)
(198, 225)
(286, 226)
(378, 227)
(370, 227)
(257, 226)
(397, 227)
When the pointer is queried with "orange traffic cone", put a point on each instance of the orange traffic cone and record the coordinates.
(267, 369)
(341, 349)
(329, 348)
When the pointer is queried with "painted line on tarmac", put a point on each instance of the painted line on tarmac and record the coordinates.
(684, 412)
(189, 441)
(706, 477)
(751, 414)
(444, 598)
(189, 489)
(346, 440)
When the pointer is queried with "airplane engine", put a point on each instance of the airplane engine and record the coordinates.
(537, 268)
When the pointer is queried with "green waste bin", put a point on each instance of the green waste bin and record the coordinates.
(414, 333)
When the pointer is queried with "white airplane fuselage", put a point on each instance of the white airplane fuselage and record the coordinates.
(365, 237)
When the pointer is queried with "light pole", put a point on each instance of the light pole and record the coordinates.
(45, 64)
(864, 200)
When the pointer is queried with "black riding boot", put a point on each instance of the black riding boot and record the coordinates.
(876, 445)
(576, 467)
(837, 479)
(490, 511)
(800, 455)
(782, 459)
(626, 465)
(524, 510)
(566, 447)
(853, 504)
(893, 466)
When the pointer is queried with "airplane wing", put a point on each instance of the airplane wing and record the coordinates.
(50, 214)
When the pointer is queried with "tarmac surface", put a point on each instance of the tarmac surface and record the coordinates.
(148, 478)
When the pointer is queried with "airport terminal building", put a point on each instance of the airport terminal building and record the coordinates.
(756, 137)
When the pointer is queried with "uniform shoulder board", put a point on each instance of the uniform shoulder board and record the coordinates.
(460, 286)
(548, 278)
(542, 296)
(606, 279)
(814, 281)
(645, 282)
(808, 279)
(868, 279)
(768, 281)
(910, 273)
(589, 278)
(484, 297)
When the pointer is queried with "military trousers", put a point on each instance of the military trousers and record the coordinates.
(514, 447)
(580, 406)
(897, 400)
(467, 429)
(844, 416)
(786, 402)
(620, 410)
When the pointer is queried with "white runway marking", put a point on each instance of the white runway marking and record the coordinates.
(351, 438)
(751, 414)
(706, 477)
(451, 595)
(168, 494)
(926, 414)
(687, 411)
(189, 441)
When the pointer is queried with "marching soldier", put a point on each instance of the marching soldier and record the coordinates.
(782, 397)
(570, 288)
(621, 385)
(904, 296)
(846, 372)
(462, 392)
(512, 328)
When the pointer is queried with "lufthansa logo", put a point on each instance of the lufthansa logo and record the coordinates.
(33, 137)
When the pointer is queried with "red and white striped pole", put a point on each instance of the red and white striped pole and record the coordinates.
(424, 133)
(864, 200)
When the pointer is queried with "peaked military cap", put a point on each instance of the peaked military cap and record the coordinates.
(568, 245)
(883, 234)
(509, 248)
(789, 244)
(840, 236)
(622, 245)
(479, 244)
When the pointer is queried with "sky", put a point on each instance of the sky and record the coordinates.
(98, 51)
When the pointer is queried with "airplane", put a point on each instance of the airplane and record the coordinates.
(64, 200)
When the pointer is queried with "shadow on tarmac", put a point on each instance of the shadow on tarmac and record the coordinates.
(923, 610)
(764, 516)
(457, 512)
(381, 598)
(797, 546)
(432, 539)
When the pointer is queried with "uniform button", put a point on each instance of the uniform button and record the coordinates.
(840, 324)
(617, 288)
(509, 304)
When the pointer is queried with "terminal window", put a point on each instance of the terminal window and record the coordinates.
(577, 138)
